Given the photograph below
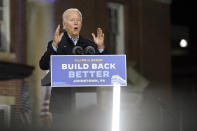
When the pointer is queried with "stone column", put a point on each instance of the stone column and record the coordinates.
(40, 29)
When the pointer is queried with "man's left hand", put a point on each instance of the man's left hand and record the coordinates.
(99, 38)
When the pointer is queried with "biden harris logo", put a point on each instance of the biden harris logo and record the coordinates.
(117, 80)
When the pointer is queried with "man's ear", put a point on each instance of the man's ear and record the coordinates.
(64, 25)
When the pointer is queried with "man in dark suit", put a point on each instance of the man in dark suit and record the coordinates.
(66, 43)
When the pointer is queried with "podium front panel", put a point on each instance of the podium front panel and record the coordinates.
(88, 70)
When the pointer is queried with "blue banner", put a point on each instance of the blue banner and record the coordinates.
(88, 70)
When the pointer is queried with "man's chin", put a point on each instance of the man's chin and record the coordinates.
(76, 33)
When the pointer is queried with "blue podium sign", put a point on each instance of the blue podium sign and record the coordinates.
(88, 70)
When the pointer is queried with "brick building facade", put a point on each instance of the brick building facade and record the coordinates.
(13, 61)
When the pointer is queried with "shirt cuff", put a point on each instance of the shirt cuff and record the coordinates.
(101, 50)
(54, 48)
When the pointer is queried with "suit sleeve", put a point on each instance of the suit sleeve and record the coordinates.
(105, 52)
(97, 50)
(45, 59)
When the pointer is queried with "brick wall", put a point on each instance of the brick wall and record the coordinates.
(18, 29)
(18, 47)
(12, 88)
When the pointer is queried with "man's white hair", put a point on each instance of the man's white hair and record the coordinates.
(68, 10)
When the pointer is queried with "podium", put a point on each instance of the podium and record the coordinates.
(46, 81)
(70, 74)
(61, 100)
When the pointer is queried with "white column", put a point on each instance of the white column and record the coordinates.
(40, 30)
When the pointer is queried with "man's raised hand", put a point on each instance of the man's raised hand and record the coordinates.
(57, 36)
(99, 38)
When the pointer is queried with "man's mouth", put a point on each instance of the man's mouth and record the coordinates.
(76, 28)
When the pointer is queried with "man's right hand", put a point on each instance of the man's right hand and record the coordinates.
(57, 36)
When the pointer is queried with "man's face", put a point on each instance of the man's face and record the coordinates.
(73, 23)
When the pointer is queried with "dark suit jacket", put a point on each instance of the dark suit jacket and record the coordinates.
(65, 47)
(61, 100)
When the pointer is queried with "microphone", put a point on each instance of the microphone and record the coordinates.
(78, 50)
(89, 50)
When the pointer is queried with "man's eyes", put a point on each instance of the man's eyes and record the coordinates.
(74, 20)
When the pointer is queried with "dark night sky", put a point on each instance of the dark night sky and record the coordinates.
(181, 9)
(183, 12)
